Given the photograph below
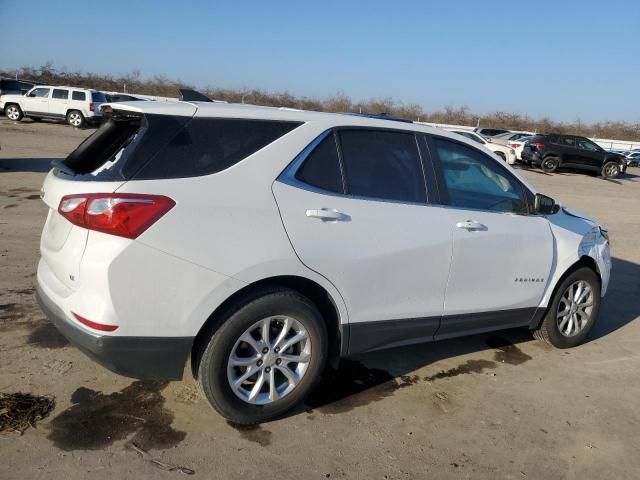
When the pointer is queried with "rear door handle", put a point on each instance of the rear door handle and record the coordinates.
(328, 214)
(471, 225)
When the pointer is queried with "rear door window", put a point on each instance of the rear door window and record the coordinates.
(60, 94)
(321, 169)
(383, 164)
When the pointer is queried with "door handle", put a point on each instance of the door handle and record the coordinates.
(328, 214)
(471, 225)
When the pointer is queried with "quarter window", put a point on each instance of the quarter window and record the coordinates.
(78, 96)
(60, 94)
(476, 181)
(321, 169)
(382, 164)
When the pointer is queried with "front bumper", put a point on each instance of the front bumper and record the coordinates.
(147, 358)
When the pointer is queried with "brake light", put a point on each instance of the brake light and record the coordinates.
(91, 107)
(125, 215)
(96, 326)
(536, 144)
(516, 145)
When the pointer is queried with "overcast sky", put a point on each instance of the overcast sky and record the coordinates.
(564, 59)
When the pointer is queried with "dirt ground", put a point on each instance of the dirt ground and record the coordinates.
(488, 406)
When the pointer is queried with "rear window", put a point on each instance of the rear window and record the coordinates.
(210, 145)
(98, 97)
(129, 146)
(60, 94)
(78, 96)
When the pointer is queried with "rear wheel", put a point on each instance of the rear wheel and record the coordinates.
(611, 170)
(550, 164)
(75, 118)
(265, 358)
(13, 112)
(573, 311)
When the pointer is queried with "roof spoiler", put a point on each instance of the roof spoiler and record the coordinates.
(189, 95)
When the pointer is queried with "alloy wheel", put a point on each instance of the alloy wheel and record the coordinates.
(13, 113)
(575, 308)
(75, 119)
(611, 170)
(269, 360)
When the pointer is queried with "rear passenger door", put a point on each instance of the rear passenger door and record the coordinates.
(59, 102)
(356, 209)
(502, 255)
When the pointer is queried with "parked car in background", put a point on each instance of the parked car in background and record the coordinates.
(505, 138)
(76, 106)
(9, 86)
(490, 132)
(554, 151)
(518, 145)
(122, 97)
(633, 158)
(505, 152)
(259, 242)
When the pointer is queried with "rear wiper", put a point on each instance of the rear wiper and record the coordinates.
(63, 167)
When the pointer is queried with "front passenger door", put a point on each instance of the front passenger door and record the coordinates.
(37, 101)
(502, 255)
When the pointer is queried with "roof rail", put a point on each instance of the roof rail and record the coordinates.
(380, 116)
(189, 95)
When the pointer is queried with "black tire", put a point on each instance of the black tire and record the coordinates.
(550, 164)
(13, 112)
(212, 364)
(611, 170)
(549, 331)
(76, 119)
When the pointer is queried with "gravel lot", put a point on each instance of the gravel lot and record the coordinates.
(488, 406)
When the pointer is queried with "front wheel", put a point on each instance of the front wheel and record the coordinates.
(13, 112)
(611, 170)
(265, 357)
(75, 118)
(573, 311)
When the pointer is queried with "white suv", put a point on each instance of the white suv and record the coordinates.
(77, 106)
(505, 152)
(266, 243)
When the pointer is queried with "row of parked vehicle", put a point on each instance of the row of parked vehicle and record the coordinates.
(553, 151)
(77, 106)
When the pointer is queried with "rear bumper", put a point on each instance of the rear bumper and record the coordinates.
(148, 358)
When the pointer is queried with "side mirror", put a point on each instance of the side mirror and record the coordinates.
(544, 205)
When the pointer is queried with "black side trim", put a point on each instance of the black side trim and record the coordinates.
(148, 358)
(472, 323)
(378, 335)
(368, 336)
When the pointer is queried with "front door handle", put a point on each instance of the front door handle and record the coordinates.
(328, 215)
(471, 225)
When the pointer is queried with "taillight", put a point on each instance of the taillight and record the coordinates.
(91, 106)
(96, 326)
(125, 215)
(538, 145)
(516, 145)
(489, 139)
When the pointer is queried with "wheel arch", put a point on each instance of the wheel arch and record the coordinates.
(316, 293)
(583, 261)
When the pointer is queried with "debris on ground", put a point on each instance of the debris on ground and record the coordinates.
(167, 467)
(19, 411)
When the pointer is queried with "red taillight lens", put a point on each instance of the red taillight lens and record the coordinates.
(91, 106)
(96, 326)
(515, 145)
(536, 144)
(125, 215)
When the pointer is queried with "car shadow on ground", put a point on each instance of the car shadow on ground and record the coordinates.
(371, 377)
(37, 165)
